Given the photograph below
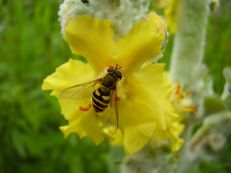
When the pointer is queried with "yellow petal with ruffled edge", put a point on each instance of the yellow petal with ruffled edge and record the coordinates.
(71, 73)
(136, 137)
(144, 41)
(94, 39)
(175, 131)
(84, 124)
(148, 102)
(147, 97)
(91, 38)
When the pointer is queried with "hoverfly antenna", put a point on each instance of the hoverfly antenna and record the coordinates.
(116, 67)
(113, 67)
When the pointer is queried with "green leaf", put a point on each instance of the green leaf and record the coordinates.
(213, 104)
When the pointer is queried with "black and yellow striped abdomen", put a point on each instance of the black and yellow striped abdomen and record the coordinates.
(100, 99)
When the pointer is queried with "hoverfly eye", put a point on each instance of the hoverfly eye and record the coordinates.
(110, 69)
(118, 74)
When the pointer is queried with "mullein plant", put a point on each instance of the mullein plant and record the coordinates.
(144, 108)
(153, 110)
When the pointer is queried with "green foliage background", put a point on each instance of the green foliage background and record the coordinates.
(31, 47)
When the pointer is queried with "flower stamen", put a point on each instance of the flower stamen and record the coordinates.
(191, 108)
(181, 99)
(85, 108)
(110, 65)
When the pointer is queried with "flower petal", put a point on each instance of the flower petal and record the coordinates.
(147, 98)
(136, 137)
(84, 124)
(91, 38)
(71, 73)
(175, 131)
(144, 41)
(94, 39)
(148, 101)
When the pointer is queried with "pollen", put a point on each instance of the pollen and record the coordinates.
(85, 108)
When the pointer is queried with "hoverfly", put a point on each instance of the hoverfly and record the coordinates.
(103, 95)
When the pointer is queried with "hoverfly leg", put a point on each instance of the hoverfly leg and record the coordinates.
(85, 108)
(117, 98)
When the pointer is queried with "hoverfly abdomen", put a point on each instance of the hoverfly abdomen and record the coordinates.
(100, 99)
(101, 96)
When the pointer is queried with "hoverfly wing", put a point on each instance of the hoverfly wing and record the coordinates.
(110, 116)
(79, 91)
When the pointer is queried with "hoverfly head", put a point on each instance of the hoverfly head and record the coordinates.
(110, 69)
(115, 70)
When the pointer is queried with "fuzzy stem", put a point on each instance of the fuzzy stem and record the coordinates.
(188, 49)
(211, 122)
(187, 56)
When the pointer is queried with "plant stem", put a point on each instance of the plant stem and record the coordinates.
(210, 122)
(188, 49)
(186, 65)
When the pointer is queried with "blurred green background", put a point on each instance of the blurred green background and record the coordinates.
(31, 47)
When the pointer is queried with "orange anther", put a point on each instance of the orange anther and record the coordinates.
(178, 88)
(179, 94)
(191, 108)
(85, 108)
(110, 65)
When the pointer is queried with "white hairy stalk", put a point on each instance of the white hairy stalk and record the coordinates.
(189, 42)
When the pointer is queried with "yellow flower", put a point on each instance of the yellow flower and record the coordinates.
(145, 110)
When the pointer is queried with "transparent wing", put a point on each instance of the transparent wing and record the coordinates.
(110, 116)
(79, 91)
